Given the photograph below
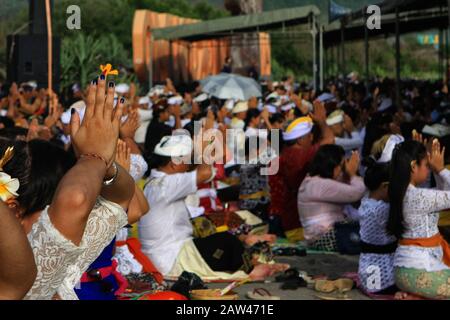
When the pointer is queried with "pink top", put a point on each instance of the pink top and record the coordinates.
(321, 203)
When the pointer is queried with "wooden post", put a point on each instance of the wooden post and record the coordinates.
(366, 54)
(342, 68)
(397, 57)
(50, 49)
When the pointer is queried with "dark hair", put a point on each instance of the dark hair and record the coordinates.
(376, 174)
(13, 133)
(49, 164)
(327, 158)
(376, 128)
(251, 114)
(7, 122)
(156, 161)
(159, 107)
(400, 177)
(39, 166)
(276, 117)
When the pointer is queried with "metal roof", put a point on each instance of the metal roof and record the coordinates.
(227, 26)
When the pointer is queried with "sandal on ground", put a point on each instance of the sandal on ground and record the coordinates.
(289, 274)
(261, 294)
(328, 286)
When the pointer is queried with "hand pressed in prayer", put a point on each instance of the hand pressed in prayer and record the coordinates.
(123, 155)
(99, 131)
(129, 127)
(35, 131)
(320, 113)
(265, 115)
(436, 157)
(54, 113)
(352, 164)
(14, 91)
(419, 138)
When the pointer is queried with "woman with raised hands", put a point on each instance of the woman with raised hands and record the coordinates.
(88, 207)
(422, 259)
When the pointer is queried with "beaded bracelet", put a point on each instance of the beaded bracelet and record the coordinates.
(95, 156)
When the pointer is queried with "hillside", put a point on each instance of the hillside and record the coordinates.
(322, 4)
(10, 7)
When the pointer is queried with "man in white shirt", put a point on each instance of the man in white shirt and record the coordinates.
(168, 227)
(345, 134)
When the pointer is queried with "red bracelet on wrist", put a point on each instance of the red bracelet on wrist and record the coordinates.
(95, 156)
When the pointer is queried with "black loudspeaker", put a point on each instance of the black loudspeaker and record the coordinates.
(27, 59)
(37, 16)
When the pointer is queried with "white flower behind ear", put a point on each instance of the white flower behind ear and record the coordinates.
(8, 187)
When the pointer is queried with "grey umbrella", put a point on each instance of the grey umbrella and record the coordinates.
(231, 86)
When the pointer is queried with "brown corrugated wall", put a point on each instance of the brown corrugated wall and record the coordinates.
(184, 61)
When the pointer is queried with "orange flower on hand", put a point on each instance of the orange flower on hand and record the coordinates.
(107, 70)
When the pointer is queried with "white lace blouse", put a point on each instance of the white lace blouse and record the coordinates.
(421, 209)
(138, 166)
(376, 271)
(60, 263)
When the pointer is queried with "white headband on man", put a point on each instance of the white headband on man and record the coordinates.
(271, 108)
(298, 128)
(239, 107)
(386, 155)
(177, 100)
(335, 118)
(201, 97)
(174, 146)
(79, 106)
(288, 106)
(122, 88)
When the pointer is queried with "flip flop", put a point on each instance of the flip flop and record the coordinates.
(324, 286)
(261, 294)
(344, 285)
(327, 286)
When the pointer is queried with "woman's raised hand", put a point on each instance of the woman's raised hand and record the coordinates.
(320, 113)
(129, 127)
(436, 157)
(123, 155)
(99, 131)
(352, 164)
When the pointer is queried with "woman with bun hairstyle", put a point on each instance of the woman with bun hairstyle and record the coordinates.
(376, 262)
(422, 259)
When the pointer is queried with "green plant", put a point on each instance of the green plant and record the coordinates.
(82, 55)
